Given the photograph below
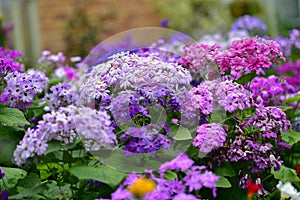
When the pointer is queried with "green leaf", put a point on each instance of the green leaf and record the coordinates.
(30, 181)
(12, 176)
(225, 170)
(12, 117)
(285, 174)
(181, 133)
(54, 81)
(246, 78)
(223, 183)
(285, 108)
(105, 174)
(291, 137)
(169, 175)
(292, 99)
(31, 193)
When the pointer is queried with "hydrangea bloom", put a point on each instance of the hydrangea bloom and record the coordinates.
(22, 88)
(209, 136)
(61, 95)
(249, 54)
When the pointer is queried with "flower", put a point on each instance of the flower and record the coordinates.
(141, 187)
(209, 136)
(2, 174)
(22, 88)
(287, 190)
(298, 170)
(249, 23)
(252, 188)
(181, 162)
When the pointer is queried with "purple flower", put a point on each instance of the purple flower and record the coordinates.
(184, 196)
(164, 23)
(250, 24)
(209, 136)
(61, 95)
(22, 88)
(181, 162)
(197, 177)
(2, 174)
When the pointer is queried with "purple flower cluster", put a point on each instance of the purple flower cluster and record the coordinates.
(261, 156)
(95, 127)
(271, 90)
(2, 174)
(9, 61)
(146, 139)
(201, 98)
(58, 125)
(22, 88)
(61, 95)
(249, 54)
(196, 56)
(287, 44)
(209, 136)
(271, 121)
(250, 24)
(196, 178)
(291, 73)
(130, 71)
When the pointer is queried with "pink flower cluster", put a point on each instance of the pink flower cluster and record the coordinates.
(249, 54)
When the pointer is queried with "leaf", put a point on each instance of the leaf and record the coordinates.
(105, 174)
(246, 78)
(285, 108)
(285, 174)
(292, 99)
(169, 175)
(12, 176)
(181, 133)
(225, 170)
(30, 181)
(223, 183)
(291, 137)
(11, 117)
(32, 193)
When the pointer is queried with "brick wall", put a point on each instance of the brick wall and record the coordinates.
(116, 15)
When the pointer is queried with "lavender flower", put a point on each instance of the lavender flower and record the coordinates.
(61, 95)
(9, 61)
(22, 88)
(181, 162)
(209, 136)
(195, 179)
(2, 174)
(250, 24)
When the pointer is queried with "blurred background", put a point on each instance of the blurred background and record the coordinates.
(75, 26)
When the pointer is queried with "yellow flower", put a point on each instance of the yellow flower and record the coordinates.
(142, 186)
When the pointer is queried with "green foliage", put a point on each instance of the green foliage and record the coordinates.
(12, 117)
(291, 137)
(286, 174)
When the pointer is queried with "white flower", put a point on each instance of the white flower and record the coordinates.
(287, 190)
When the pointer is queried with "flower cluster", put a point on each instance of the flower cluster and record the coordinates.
(271, 90)
(22, 88)
(9, 61)
(261, 156)
(250, 24)
(95, 127)
(291, 73)
(129, 70)
(209, 136)
(287, 44)
(249, 54)
(146, 139)
(271, 121)
(196, 56)
(61, 95)
(196, 178)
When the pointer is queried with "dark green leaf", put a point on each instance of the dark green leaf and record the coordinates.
(225, 170)
(292, 99)
(12, 117)
(104, 174)
(32, 193)
(286, 174)
(246, 78)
